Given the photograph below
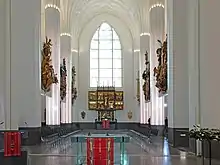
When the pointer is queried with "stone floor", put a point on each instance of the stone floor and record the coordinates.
(139, 151)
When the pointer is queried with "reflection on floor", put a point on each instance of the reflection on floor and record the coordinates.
(139, 151)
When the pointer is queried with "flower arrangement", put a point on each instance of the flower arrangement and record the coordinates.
(199, 133)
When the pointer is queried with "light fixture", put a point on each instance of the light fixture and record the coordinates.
(156, 5)
(136, 50)
(145, 34)
(52, 6)
(74, 50)
(66, 34)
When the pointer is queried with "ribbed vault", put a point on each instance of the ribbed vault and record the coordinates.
(77, 13)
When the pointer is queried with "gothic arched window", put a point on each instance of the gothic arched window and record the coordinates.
(105, 58)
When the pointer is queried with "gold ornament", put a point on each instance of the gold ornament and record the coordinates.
(160, 72)
(146, 78)
(138, 89)
(63, 83)
(74, 90)
(48, 77)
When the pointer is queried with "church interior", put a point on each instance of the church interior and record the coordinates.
(109, 82)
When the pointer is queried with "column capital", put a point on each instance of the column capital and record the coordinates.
(74, 52)
(65, 34)
(145, 35)
(52, 4)
(157, 5)
(157, 19)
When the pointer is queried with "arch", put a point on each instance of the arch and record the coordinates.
(82, 13)
(124, 33)
(105, 57)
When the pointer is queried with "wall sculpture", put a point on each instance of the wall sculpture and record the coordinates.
(130, 115)
(74, 90)
(63, 83)
(146, 78)
(48, 77)
(138, 89)
(160, 72)
(83, 115)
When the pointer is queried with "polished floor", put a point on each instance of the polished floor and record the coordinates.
(139, 151)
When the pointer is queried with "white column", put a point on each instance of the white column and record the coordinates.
(65, 48)
(209, 58)
(157, 27)
(142, 101)
(193, 60)
(52, 31)
(144, 46)
(4, 70)
(20, 63)
(178, 89)
(69, 88)
(75, 62)
(136, 116)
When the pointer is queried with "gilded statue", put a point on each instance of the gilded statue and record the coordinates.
(48, 77)
(63, 83)
(160, 72)
(138, 89)
(130, 114)
(146, 78)
(74, 90)
(106, 102)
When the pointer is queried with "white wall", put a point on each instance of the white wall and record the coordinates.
(129, 86)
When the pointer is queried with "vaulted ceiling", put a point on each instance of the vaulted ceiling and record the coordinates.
(75, 14)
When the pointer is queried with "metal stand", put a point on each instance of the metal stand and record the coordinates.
(122, 150)
(210, 152)
(79, 152)
(203, 156)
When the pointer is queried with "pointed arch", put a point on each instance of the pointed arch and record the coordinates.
(105, 57)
